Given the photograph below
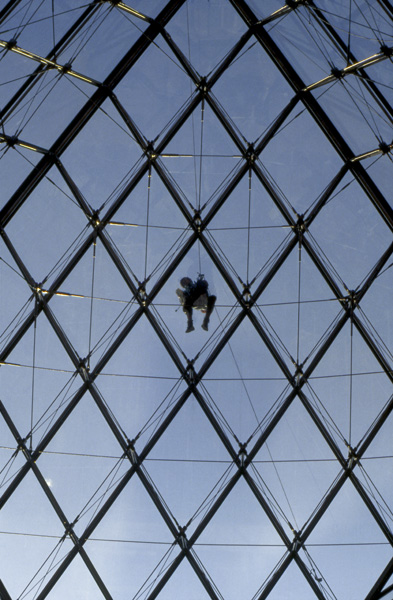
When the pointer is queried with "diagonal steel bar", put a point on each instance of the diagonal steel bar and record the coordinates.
(8, 8)
(377, 590)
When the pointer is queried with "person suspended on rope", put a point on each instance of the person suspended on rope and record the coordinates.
(195, 294)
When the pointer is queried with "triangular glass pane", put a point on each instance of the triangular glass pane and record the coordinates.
(344, 390)
(202, 158)
(47, 108)
(291, 584)
(78, 581)
(141, 353)
(297, 439)
(191, 29)
(249, 230)
(16, 306)
(347, 523)
(133, 516)
(251, 536)
(298, 308)
(101, 177)
(93, 303)
(112, 558)
(375, 313)
(37, 226)
(16, 164)
(184, 582)
(120, 32)
(165, 101)
(44, 380)
(291, 166)
(356, 114)
(235, 88)
(347, 247)
(179, 462)
(310, 50)
(83, 479)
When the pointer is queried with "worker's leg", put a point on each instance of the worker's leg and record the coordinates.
(188, 310)
(210, 305)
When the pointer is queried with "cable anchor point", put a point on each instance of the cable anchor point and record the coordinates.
(182, 539)
(191, 374)
(352, 458)
(197, 221)
(150, 152)
(246, 294)
(250, 155)
(203, 86)
(142, 294)
(242, 454)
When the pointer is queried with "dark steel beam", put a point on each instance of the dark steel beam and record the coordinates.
(8, 8)
(377, 590)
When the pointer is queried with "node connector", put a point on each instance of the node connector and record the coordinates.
(150, 152)
(131, 452)
(351, 300)
(191, 373)
(298, 373)
(142, 294)
(242, 455)
(83, 368)
(386, 50)
(66, 68)
(300, 226)
(11, 141)
(352, 458)
(202, 85)
(183, 541)
(385, 148)
(337, 73)
(250, 155)
(246, 294)
(198, 221)
(296, 541)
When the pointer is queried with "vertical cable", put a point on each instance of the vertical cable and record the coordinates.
(193, 112)
(91, 300)
(350, 381)
(349, 30)
(53, 27)
(147, 217)
(298, 301)
(200, 153)
(200, 175)
(33, 376)
(249, 221)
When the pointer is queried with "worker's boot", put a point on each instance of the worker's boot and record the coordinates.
(190, 326)
(205, 324)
